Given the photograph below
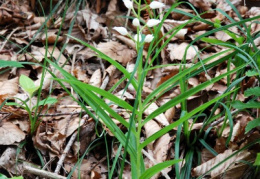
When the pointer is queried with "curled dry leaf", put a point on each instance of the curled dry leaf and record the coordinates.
(160, 118)
(157, 149)
(96, 78)
(199, 170)
(169, 114)
(205, 5)
(117, 51)
(177, 51)
(87, 165)
(39, 54)
(10, 134)
(8, 160)
(51, 37)
(206, 155)
(51, 137)
(220, 35)
(8, 89)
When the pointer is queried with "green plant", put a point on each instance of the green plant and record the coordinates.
(240, 53)
(131, 139)
(29, 87)
(4, 177)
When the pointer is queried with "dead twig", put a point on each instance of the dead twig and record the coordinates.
(63, 156)
(221, 119)
(61, 114)
(42, 173)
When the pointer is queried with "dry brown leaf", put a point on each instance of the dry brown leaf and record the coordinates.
(8, 160)
(150, 128)
(51, 37)
(160, 118)
(169, 114)
(87, 165)
(220, 35)
(117, 51)
(96, 78)
(199, 170)
(39, 54)
(206, 155)
(205, 5)
(158, 149)
(114, 15)
(51, 137)
(177, 51)
(8, 89)
(10, 134)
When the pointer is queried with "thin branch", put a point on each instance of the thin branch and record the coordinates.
(221, 119)
(42, 173)
(63, 156)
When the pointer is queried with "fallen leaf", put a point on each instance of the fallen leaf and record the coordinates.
(177, 51)
(10, 134)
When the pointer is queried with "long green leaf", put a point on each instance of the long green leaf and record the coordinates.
(186, 94)
(157, 168)
(177, 77)
(4, 64)
(87, 96)
(102, 92)
(181, 120)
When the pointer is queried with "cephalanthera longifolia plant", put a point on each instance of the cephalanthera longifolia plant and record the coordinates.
(131, 139)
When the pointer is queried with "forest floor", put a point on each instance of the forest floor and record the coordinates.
(46, 130)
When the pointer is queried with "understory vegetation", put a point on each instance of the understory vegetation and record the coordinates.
(129, 89)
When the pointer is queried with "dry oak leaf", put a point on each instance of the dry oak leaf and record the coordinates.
(205, 5)
(203, 168)
(177, 51)
(96, 78)
(10, 133)
(160, 118)
(157, 149)
(8, 88)
(117, 51)
(8, 160)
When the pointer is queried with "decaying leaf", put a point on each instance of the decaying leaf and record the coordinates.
(10, 133)
(158, 149)
(160, 118)
(177, 51)
(8, 89)
(9, 160)
(117, 51)
(199, 170)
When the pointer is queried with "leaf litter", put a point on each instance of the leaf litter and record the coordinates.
(20, 22)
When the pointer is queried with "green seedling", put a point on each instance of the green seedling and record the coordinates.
(28, 86)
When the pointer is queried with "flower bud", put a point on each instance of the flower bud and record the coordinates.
(136, 37)
(152, 22)
(156, 5)
(121, 30)
(136, 22)
(148, 38)
(128, 4)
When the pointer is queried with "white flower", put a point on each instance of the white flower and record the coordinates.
(121, 30)
(128, 4)
(140, 37)
(148, 38)
(152, 22)
(156, 5)
(136, 22)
